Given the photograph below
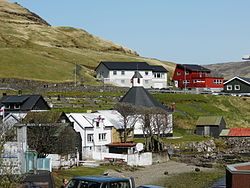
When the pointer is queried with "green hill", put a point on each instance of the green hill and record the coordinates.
(32, 49)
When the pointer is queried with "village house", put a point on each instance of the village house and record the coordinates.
(210, 125)
(187, 76)
(237, 85)
(120, 74)
(51, 135)
(15, 107)
(98, 130)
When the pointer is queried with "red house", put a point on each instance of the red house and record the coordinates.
(187, 76)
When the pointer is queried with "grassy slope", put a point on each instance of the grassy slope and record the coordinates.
(31, 49)
(235, 110)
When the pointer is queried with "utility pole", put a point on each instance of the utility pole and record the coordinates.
(75, 73)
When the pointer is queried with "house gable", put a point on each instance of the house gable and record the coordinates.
(237, 85)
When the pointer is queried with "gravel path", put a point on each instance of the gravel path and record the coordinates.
(155, 174)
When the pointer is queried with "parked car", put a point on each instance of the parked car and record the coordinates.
(101, 182)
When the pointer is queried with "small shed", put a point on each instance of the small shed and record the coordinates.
(210, 125)
(238, 175)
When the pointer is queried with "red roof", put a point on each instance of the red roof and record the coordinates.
(247, 167)
(121, 144)
(239, 131)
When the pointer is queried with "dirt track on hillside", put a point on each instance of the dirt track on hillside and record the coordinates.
(156, 173)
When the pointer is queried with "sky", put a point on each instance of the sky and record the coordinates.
(181, 31)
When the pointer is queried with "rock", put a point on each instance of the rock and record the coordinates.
(166, 173)
(197, 170)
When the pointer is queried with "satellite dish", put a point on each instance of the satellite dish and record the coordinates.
(139, 147)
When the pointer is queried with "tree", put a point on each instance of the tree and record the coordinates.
(53, 138)
(129, 118)
(155, 126)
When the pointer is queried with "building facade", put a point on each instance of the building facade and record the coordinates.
(237, 85)
(187, 76)
(120, 74)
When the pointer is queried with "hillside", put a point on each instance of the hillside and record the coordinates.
(231, 69)
(32, 49)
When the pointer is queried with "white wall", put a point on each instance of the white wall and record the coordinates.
(124, 80)
(142, 159)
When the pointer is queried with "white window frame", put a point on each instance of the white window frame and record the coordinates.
(123, 81)
(114, 72)
(146, 73)
(229, 87)
(122, 72)
(186, 72)
(178, 73)
(237, 87)
(186, 81)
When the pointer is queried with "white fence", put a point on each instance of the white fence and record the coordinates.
(137, 159)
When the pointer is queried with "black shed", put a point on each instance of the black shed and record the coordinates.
(210, 125)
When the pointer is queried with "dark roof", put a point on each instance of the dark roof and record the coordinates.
(121, 144)
(139, 96)
(44, 117)
(15, 99)
(127, 65)
(137, 75)
(101, 179)
(157, 68)
(243, 79)
(26, 102)
(194, 67)
(132, 66)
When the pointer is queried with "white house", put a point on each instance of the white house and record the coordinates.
(95, 130)
(120, 74)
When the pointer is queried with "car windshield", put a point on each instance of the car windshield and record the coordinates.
(82, 184)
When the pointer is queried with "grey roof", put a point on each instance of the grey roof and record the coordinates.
(194, 67)
(14, 99)
(243, 79)
(246, 79)
(132, 66)
(127, 65)
(137, 75)
(139, 96)
(26, 102)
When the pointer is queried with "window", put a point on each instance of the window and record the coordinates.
(97, 123)
(218, 82)
(178, 73)
(122, 72)
(114, 72)
(90, 138)
(123, 81)
(146, 81)
(187, 72)
(237, 87)
(16, 106)
(186, 81)
(7, 106)
(157, 75)
(146, 72)
(229, 87)
(102, 136)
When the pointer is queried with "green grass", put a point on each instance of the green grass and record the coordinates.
(192, 180)
(235, 110)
